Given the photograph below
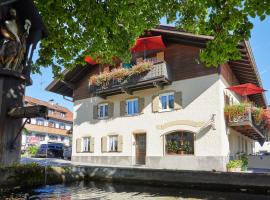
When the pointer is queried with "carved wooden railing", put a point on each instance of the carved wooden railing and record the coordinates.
(158, 71)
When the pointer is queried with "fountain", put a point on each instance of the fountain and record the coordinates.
(21, 29)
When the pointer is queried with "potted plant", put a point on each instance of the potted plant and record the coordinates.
(172, 147)
(234, 166)
(244, 160)
(233, 112)
(187, 148)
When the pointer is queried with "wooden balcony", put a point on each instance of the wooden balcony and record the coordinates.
(246, 125)
(158, 76)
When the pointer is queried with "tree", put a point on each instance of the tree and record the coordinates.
(108, 28)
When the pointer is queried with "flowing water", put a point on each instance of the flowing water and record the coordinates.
(121, 191)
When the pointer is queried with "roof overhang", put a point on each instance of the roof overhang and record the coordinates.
(245, 69)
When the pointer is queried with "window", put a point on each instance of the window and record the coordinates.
(62, 126)
(113, 143)
(53, 137)
(180, 142)
(166, 102)
(40, 122)
(51, 124)
(132, 107)
(102, 111)
(40, 137)
(50, 111)
(86, 144)
(62, 114)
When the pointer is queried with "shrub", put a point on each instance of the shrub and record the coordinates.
(32, 150)
(235, 164)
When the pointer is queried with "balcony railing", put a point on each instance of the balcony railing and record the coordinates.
(158, 76)
(246, 124)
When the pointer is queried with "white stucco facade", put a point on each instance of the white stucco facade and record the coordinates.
(202, 98)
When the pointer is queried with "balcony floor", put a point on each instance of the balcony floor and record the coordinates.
(247, 129)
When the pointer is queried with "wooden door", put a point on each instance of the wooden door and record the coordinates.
(140, 148)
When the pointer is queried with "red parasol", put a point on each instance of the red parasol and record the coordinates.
(246, 89)
(148, 43)
(89, 60)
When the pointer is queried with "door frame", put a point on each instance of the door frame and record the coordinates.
(134, 147)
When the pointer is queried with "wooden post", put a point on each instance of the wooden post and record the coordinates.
(12, 88)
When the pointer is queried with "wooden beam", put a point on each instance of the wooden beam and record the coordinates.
(29, 112)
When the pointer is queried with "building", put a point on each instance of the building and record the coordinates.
(57, 128)
(169, 117)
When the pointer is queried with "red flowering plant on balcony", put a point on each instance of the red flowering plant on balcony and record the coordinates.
(120, 74)
(237, 110)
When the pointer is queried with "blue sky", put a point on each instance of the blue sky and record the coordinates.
(259, 43)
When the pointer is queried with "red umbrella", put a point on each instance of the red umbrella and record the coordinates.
(89, 60)
(148, 43)
(246, 89)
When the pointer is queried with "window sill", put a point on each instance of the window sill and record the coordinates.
(164, 111)
(134, 115)
(179, 154)
(102, 118)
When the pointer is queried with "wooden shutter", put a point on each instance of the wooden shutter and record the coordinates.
(104, 144)
(95, 112)
(122, 108)
(120, 143)
(92, 144)
(155, 103)
(141, 104)
(78, 145)
(178, 100)
(110, 109)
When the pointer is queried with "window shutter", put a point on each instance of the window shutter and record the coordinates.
(120, 143)
(110, 110)
(95, 112)
(155, 103)
(104, 144)
(141, 104)
(122, 108)
(92, 144)
(178, 100)
(79, 145)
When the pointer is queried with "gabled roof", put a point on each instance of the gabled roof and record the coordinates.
(245, 69)
(68, 114)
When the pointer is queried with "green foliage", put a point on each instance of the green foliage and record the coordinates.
(32, 150)
(235, 164)
(172, 146)
(244, 160)
(108, 28)
(236, 110)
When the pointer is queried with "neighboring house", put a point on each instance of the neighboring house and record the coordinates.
(57, 128)
(170, 117)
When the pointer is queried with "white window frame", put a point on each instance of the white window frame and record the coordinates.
(87, 147)
(115, 146)
(167, 99)
(62, 114)
(103, 107)
(132, 101)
